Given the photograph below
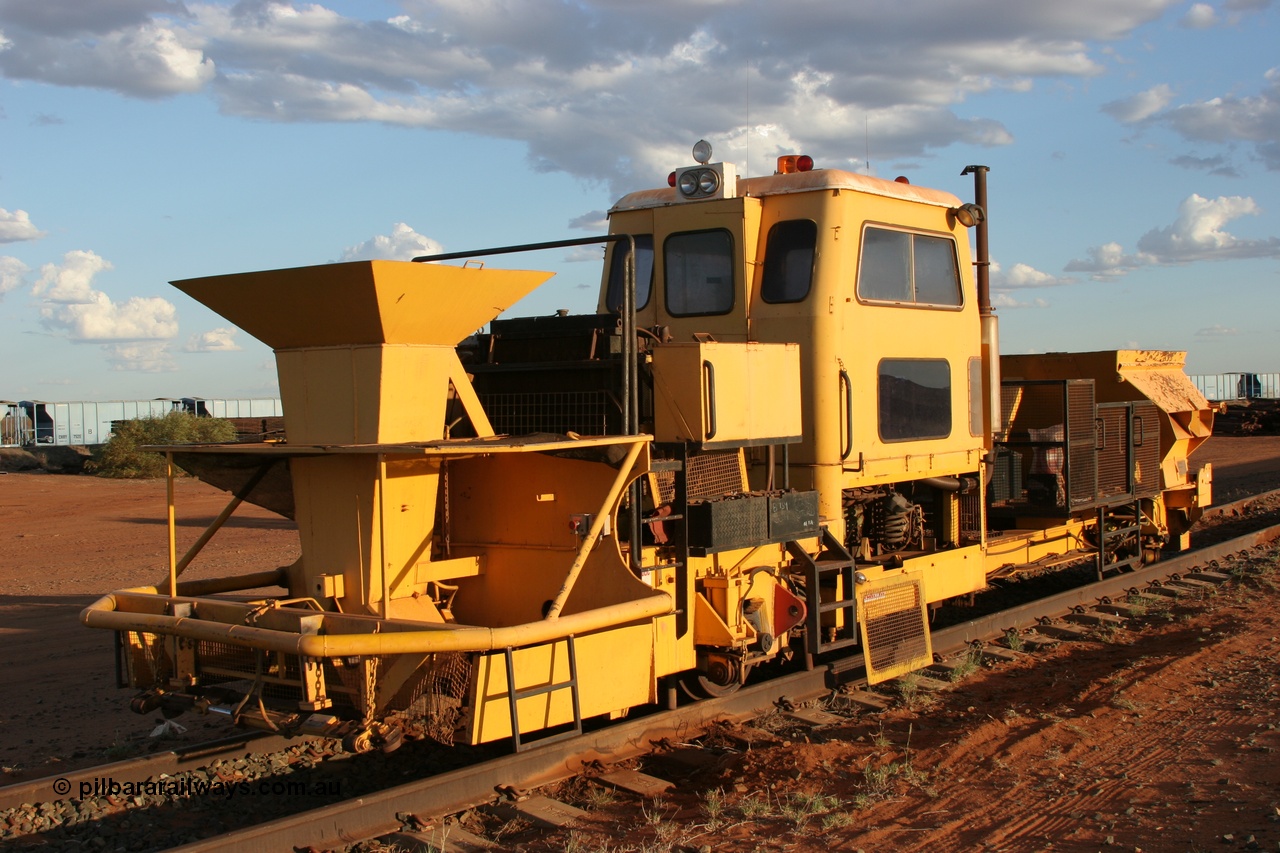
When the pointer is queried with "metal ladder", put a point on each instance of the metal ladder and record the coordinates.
(833, 559)
(514, 696)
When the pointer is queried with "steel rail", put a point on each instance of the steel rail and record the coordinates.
(1238, 506)
(372, 815)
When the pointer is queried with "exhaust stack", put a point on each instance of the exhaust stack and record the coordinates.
(990, 323)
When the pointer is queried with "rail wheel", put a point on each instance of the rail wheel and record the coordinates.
(721, 676)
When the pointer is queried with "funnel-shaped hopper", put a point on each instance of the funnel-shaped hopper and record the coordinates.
(363, 302)
(365, 350)
(366, 356)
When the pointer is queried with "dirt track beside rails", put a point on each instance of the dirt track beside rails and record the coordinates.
(1162, 740)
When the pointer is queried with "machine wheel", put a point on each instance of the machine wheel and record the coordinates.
(721, 679)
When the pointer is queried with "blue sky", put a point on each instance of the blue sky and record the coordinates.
(1134, 148)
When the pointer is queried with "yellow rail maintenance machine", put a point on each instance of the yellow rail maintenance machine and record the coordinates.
(785, 435)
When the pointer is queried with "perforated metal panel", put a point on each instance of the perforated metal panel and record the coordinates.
(1146, 450)
(894, 627)
(583, 412)
(1082, 462)
(1113, 457)
(710, 475)
(148, 659)
(1049, 462)
(738, 522)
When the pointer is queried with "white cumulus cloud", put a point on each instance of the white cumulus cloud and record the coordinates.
(71, 305)
(1198, 234)
(1232, 119)
(17, 226)
(594, 221)
(1021, 276)
(221, 339)
(143, 357)
(72, 281)
(1005, 300)
(1107, 261)
(1200, 16)
(1141, 106)
(124, 45)
(140, 318)
(402, 244)
(569, 80)
(12, 274)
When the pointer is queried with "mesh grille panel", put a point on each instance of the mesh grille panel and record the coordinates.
(971, 516)
(435, 695)
(1082, 443)
(237, 668)
(225, 656)
(1049, 461)
(1146, 434)
(1113, 460)
(895, 636)
(584, 412)
(149, 662)
(710, 475)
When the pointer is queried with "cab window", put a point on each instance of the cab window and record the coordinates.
(618, 272)
(788, 261)
(914, 398)
(698, 271)
(903, 267)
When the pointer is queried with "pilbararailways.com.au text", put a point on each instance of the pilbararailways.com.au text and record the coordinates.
(192, 787)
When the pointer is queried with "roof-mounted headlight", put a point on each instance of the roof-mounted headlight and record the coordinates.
(714, 180)
(706, 180)
(969, 215)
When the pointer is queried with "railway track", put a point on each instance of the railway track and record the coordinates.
(420, 803)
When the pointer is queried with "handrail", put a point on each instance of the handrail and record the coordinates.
(103, 614)
(847, 384)
(710, 370)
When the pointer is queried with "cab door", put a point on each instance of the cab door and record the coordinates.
(704, 263)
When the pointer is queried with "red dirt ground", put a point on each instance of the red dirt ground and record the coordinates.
(64, 541)
(1154, 740)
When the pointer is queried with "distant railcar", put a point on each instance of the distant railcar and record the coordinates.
(87, 423)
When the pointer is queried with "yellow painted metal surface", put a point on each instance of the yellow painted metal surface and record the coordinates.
(710, 628)
(710, 393)
(362, 302)
(1042, 541)
(842, 339)
(950, 573)
(615, 672)
(528, 542)
(365, 353)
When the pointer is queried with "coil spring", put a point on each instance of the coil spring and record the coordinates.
(897, 522)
